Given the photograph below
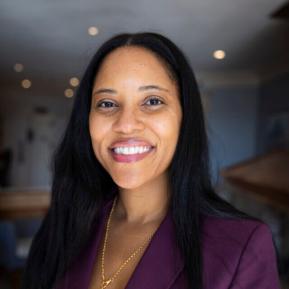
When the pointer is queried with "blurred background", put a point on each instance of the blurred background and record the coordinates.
(240, 53)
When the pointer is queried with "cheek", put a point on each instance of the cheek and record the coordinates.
(98, 130)
(167, 129)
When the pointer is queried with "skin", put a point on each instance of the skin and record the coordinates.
(129, 112)
(120, 109)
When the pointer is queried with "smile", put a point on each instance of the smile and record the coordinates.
(131, 153)
(131, 150)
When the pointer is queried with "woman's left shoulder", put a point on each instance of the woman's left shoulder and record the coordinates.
(235, 230)
(232, 236)
(241, 251)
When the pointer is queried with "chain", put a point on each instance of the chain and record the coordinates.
(105, 283)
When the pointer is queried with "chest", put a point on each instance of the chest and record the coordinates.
(121, 258)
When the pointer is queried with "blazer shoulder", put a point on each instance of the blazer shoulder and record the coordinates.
(237, 251)
(236, 231)
(231, 236)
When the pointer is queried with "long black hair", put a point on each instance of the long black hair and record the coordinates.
(81, 186)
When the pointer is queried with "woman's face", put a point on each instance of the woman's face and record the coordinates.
(135, 117)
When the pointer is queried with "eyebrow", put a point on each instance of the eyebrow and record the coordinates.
(104, 90)
(149, 87)
(141, 88)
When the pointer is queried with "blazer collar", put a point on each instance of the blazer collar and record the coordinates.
(161, 262)
(159, 266)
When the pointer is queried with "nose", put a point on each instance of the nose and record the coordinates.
(128, 121)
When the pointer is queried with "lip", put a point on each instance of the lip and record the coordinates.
(130, 158)
(129, 142)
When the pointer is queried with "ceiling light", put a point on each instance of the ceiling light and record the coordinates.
(74, 81)
(219, 54)
(68, 92)
(26, 83)
(93, 31)
(18, 67)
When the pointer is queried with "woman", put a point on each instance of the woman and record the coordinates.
(132, 202)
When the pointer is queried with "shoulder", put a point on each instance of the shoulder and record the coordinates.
(238, 251)
(225, 239)
(234, 232)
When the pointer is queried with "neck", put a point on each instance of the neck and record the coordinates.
(143, 205)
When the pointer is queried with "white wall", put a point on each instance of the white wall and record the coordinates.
(32, 159)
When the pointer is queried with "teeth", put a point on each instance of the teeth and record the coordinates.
(131, 150)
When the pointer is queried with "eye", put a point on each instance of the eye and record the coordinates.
(105, 104)
(154, 101)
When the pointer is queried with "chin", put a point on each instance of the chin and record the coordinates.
(128, 183)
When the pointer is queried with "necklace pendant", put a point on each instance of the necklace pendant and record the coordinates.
(105, 283)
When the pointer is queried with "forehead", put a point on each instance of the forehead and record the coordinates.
(133, 60)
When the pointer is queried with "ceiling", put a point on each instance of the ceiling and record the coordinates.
(50, 37)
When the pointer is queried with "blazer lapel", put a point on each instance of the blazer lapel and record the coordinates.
(158, 268)
(161, 262)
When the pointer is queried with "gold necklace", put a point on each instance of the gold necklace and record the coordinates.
(105, 283)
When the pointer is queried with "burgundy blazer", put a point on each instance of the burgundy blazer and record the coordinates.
(237, 254)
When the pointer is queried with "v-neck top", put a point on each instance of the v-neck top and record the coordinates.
(80, 272)
(236, 253)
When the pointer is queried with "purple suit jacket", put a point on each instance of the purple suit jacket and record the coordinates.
(237, 254)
